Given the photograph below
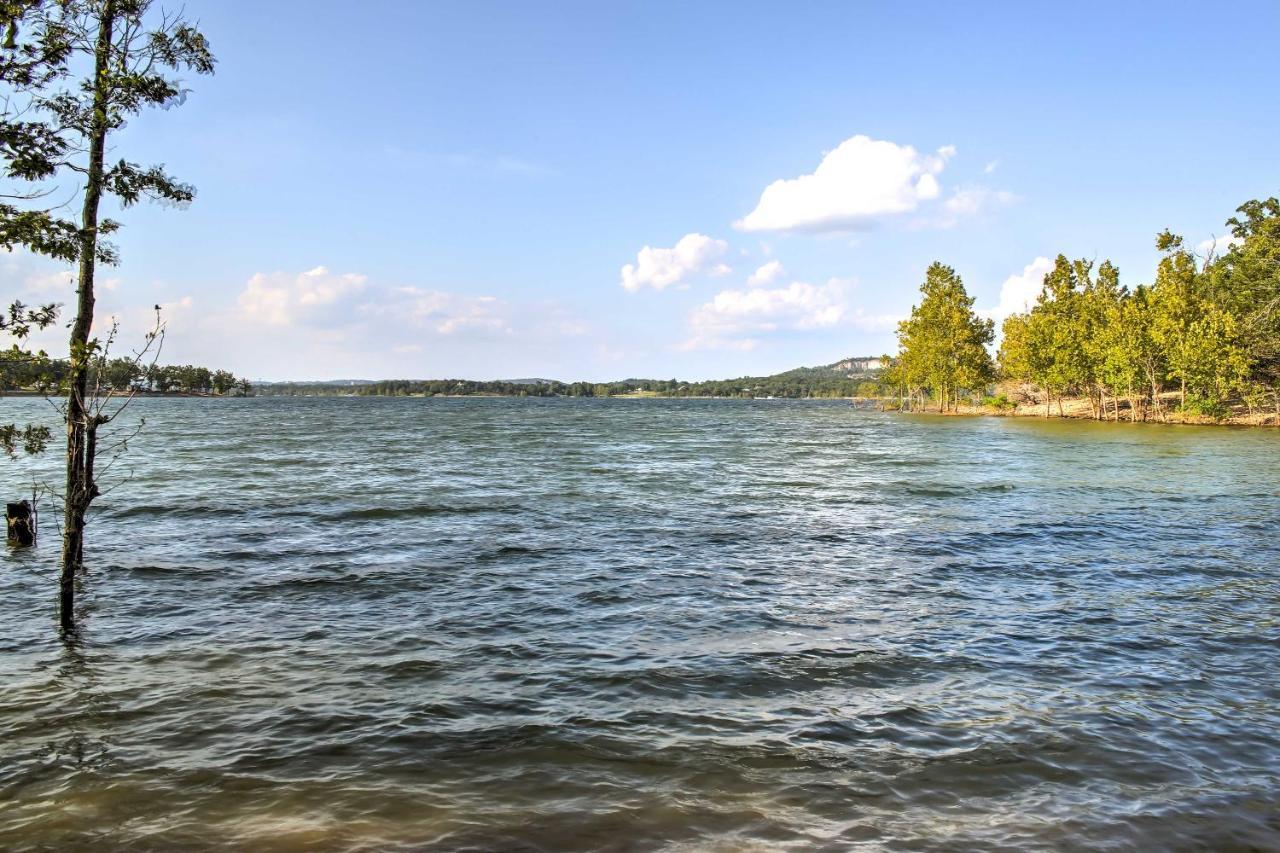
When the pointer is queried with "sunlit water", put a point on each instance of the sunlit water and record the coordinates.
(639, 624)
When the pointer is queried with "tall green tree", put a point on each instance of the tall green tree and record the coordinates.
(1246, 280)
(94, 64)
(1058, 330)
(943, 345)
(1176, 304)
(1100, 303)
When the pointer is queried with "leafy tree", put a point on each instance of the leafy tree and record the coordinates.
(120, 374)
(18, 361)
(223, 381)
(1246, 281)
(1215, 361)
(33, 57)
(943, 345)
(85, 67)
(1128, 353)
(1176, 304)
(1099, 303)
(1058, 330)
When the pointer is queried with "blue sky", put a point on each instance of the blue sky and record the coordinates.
(406, 189)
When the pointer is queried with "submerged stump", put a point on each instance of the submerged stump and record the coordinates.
(22, 523)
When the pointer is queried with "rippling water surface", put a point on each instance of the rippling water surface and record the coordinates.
(639, 624)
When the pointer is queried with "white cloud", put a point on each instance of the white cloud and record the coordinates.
(766, 274)
(661, 268)
(1219, 246)
(735, 319)
(991, 167)
(282, 299)
(322, 306)
(1020, 291)
(862, 180)
(445, 313)
(59, 282)
(968, 201)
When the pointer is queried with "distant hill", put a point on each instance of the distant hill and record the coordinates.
(303, 383)
(849, 377)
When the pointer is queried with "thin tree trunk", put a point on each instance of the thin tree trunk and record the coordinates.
(81, 436)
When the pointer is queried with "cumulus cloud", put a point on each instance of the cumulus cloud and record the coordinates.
(859, 182)
(661, 268)
(766, 274)
(1020, 291)
(282, 299)
(735, 319)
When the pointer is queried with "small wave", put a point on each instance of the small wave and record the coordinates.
(177, 511)
(411, 669)
(422, 510)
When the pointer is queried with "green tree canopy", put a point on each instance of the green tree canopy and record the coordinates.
(943, 345)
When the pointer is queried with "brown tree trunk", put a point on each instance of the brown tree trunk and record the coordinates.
(81, 435)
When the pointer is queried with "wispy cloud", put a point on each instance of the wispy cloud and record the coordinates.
(739, 319)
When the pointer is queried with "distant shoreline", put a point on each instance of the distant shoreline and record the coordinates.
(1072, 409)
(130, 393)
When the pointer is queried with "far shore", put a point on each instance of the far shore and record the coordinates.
(1071, 409)
(24, 393)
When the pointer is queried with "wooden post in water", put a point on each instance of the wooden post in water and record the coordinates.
(22, 523)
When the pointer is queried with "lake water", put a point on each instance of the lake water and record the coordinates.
(489, 624)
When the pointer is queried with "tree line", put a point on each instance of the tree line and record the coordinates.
(1202, 338)
(50, 375)
(802, 383)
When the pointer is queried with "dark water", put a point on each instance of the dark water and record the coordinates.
(642, 624)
